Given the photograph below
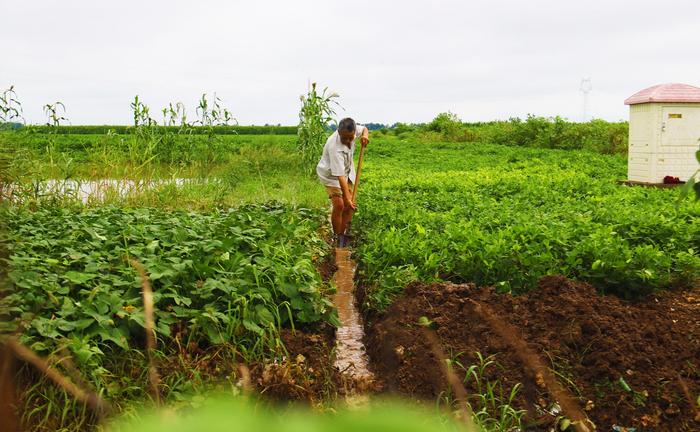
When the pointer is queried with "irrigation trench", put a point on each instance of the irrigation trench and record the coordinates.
(352, 360)
(350, 357)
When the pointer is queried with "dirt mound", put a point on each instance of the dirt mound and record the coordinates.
(305, 372)
(620, 360)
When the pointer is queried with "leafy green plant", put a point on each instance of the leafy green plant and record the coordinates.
(317, 111)
(229, 276)
(506, 216)
(211, 113)
(692, 186)
(448, 125)
(490, 401)
(539, 132)
(233, 129)
(55, 113)
(241, 415)
(10, 106)
(638, 398)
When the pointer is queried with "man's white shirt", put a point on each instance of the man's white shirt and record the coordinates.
(336, 159)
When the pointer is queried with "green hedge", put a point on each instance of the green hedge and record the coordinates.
(121, 129)
(539, 132)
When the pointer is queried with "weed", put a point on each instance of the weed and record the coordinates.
(491, 402)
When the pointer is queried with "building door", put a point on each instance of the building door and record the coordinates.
(681, 126)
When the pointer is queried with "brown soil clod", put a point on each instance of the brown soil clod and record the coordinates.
(544, 378)
(563, 342)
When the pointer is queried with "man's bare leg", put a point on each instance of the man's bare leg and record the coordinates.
(347, 217)
(337, 215)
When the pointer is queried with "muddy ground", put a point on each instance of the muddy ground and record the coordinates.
(306, 374)
(591, 342)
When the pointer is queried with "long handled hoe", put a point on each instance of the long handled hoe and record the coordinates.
(355, 187)
(359, 171)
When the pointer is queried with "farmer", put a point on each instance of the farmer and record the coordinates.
(336, 171)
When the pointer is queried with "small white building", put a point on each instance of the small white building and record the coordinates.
(664, 133)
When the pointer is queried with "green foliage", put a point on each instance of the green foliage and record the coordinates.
(538, 132)
(504, 216)
(314, 116)
(169, 146)
(231, 416)
(195, 129)
(490, 400)
(10, 106)
(233, 276)
(53, 113)
(212, 113)
(249, 168)
(403, 128)
(557, 133)
(692, 186)
(447, 124)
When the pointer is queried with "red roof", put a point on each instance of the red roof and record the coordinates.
(674, 92)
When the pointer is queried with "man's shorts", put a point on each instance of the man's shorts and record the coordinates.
(336, 191)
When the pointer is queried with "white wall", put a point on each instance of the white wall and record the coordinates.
(663, 139)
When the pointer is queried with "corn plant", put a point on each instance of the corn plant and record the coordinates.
(212, 113)
(317, 111)
(175, 115)
(53, 114)
(145, 137)
(10, 107)
(141, 113)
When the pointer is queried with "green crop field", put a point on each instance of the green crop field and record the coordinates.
(238, 254)
(336, 216)
(505, 216)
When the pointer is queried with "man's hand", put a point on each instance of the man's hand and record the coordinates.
(364, 138)
(345, 189)
(349, 203)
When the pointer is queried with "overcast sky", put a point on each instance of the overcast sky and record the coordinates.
(390, 61)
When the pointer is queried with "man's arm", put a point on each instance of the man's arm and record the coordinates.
(364, 138)
(347, 198)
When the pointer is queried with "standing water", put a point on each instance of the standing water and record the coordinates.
(350, 355)
(87, 190)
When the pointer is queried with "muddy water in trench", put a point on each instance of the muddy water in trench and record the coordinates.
(350, 356)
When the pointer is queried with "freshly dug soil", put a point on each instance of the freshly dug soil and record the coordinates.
(589, 341)
(327, 268)
(305, 373)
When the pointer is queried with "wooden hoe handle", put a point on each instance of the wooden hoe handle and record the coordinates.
(359, 171)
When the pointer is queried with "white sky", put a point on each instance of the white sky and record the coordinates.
(390, 61)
